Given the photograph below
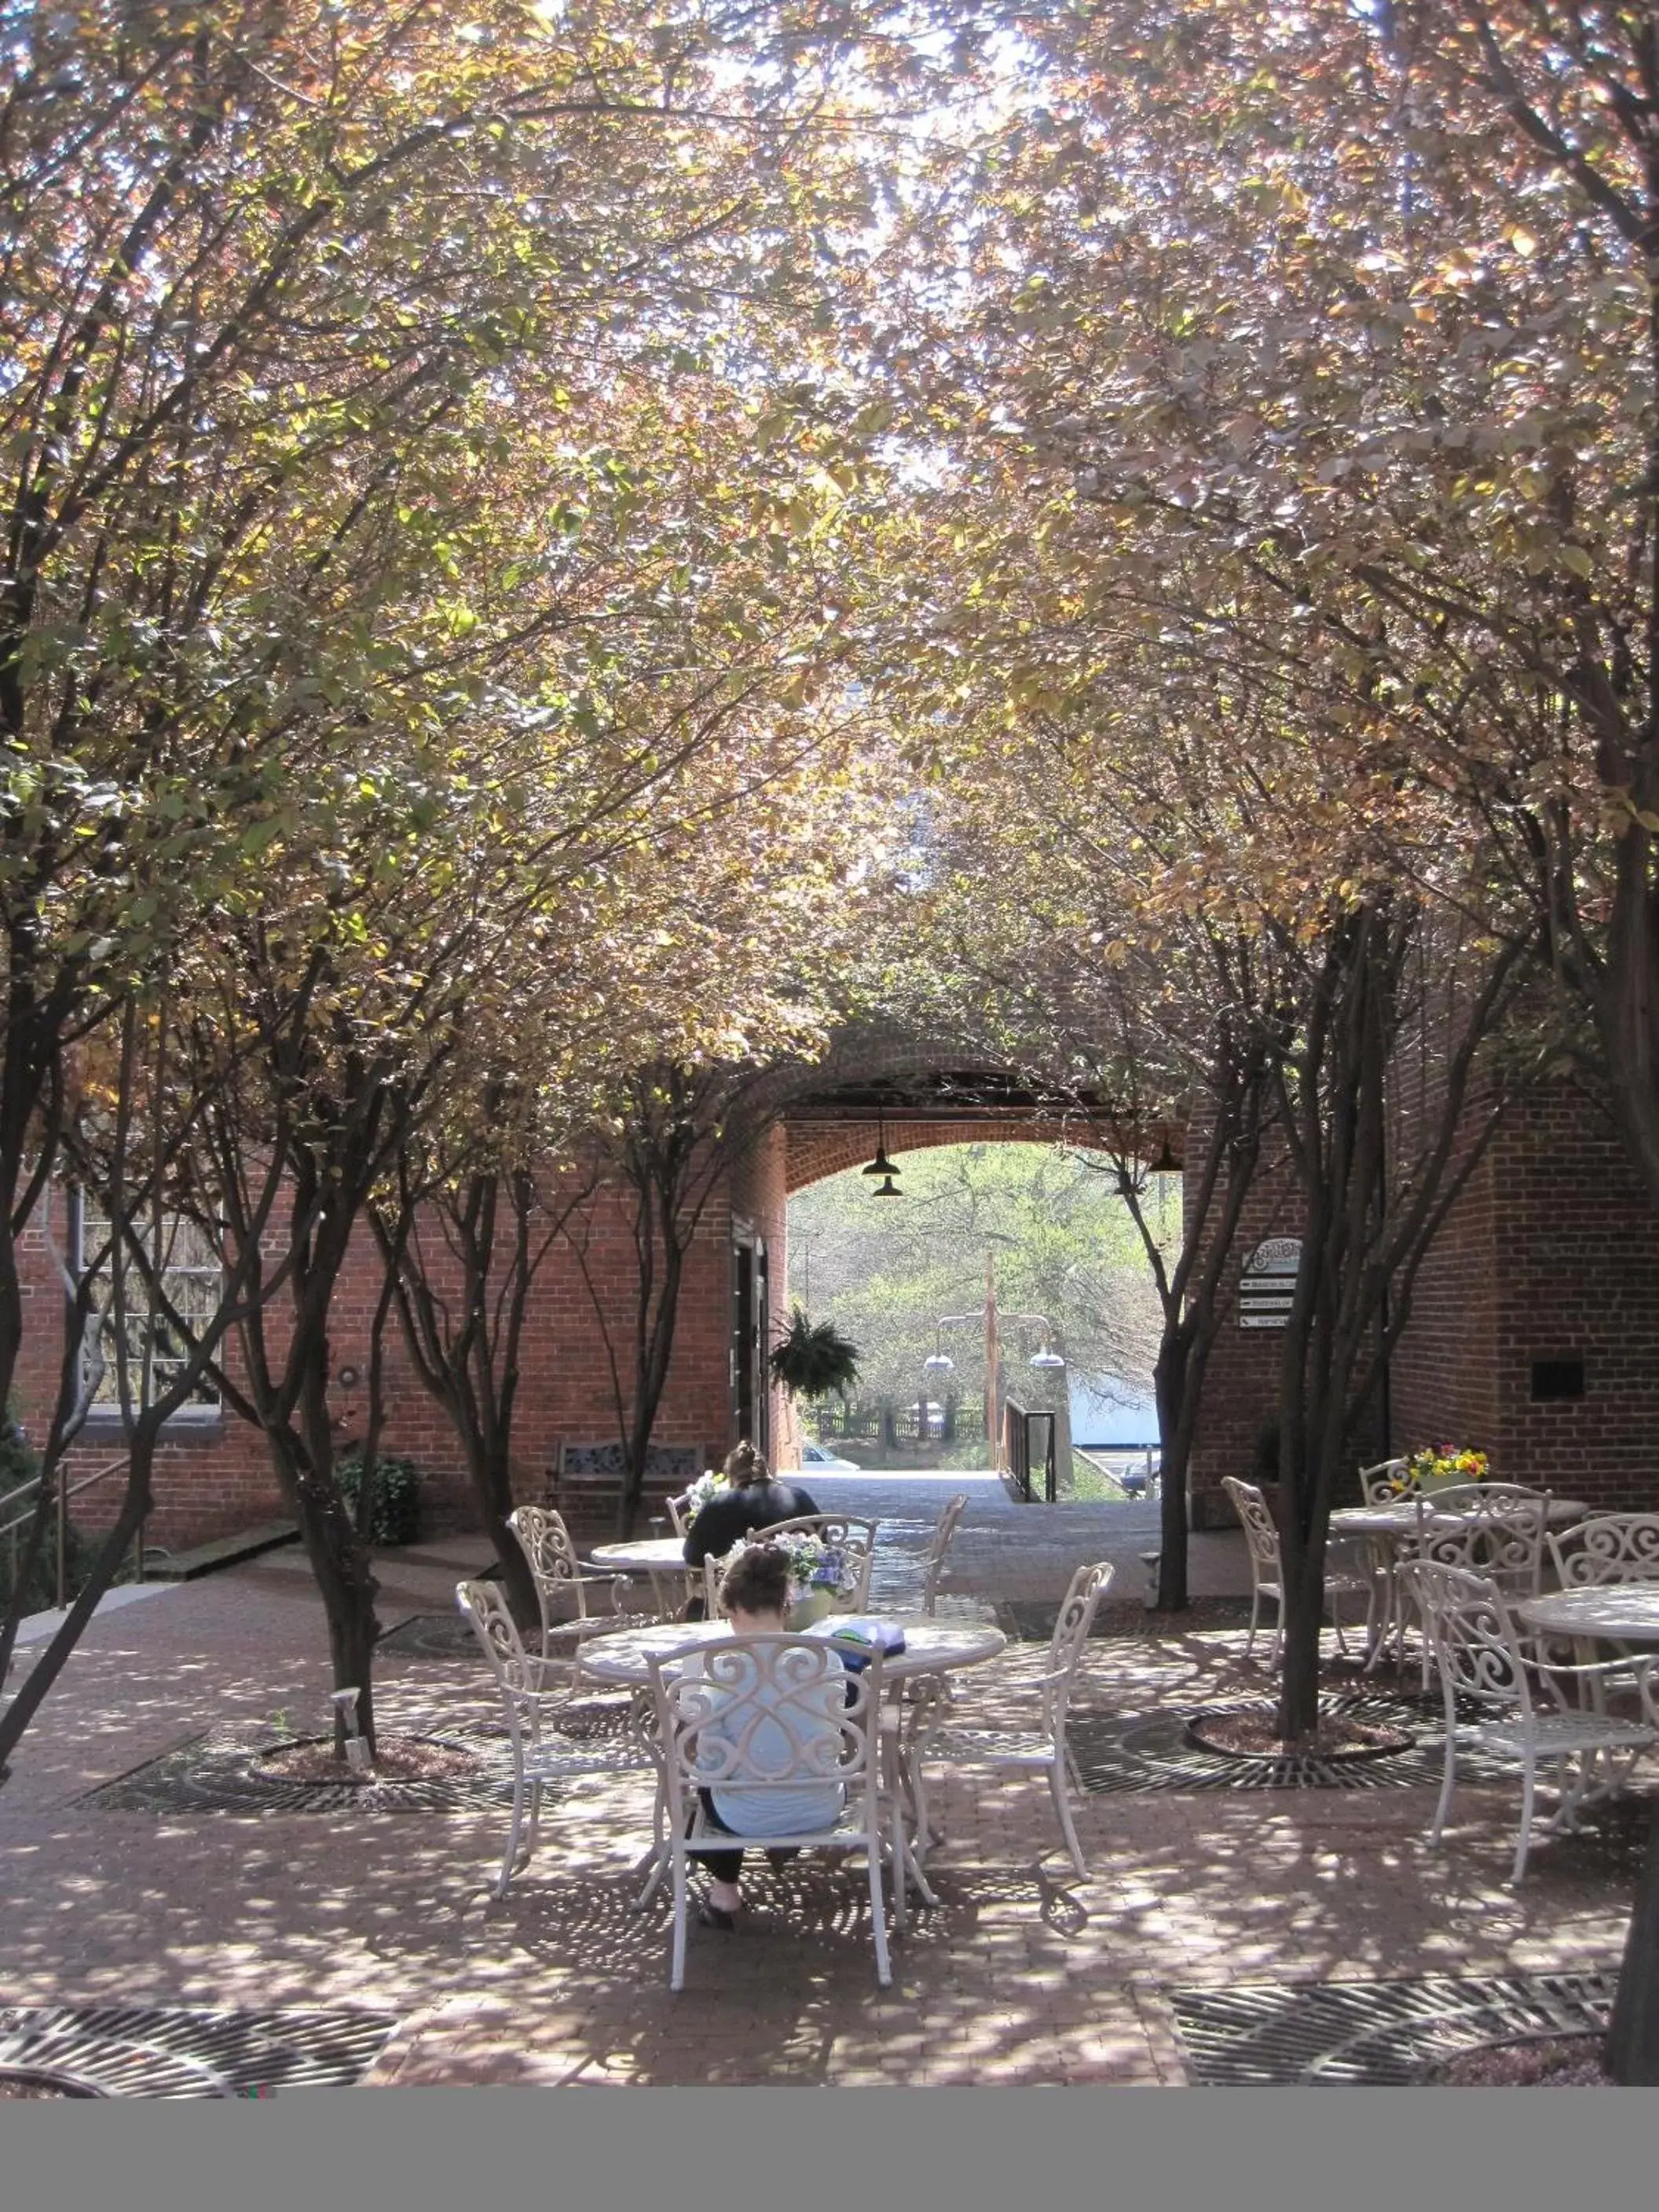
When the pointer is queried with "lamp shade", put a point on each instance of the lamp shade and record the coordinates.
(937, 1362)
(1047, 1359)
(888, 1189)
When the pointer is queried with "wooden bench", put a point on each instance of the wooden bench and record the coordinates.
(587, 1481)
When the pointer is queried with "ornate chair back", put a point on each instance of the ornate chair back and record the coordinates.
(1608, 1548)
(517, 1674)
(1386, 1481)
(1261, 1531)
(767, 1714)
(1069, 1640)
(1471, 1635)
(945, 1530)
(1498, 1532)
(676, 1511)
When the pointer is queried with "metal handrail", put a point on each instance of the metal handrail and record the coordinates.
(65, 1491)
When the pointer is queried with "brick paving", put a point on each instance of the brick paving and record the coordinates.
(1022, 1975)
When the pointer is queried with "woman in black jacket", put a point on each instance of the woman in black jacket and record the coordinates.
(752, 1500)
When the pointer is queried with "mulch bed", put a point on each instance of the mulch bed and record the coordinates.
(24, 2084)
(1557, 2062)
(398, 1758)
(1251, 1732)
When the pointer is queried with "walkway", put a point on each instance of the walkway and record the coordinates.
(1022, 1975)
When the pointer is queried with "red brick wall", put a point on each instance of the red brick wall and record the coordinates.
(1558, 1256)
(1241, 1386)
(214, 1478)
(1443, 1380)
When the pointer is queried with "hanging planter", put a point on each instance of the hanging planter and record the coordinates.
(810, 1361)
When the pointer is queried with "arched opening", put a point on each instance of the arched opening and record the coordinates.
(1005, 1272)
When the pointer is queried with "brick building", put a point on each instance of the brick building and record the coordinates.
(1535, 1332)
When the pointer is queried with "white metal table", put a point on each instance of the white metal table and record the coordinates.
(648, 1558)
(931, 1647)
(1383, 1528)
(1603, 1613)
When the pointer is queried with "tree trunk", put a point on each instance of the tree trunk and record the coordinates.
(1174, 1451)
(343, 1567)
(492, 1489)
(1633, 2037)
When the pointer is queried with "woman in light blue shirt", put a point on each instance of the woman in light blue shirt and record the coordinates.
(760, 1726)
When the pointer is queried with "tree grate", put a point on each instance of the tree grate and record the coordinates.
(143, 2051)
(1151, 1751)
(1347, 2033)
(221, 1771)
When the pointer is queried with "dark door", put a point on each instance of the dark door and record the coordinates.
(750, 1333)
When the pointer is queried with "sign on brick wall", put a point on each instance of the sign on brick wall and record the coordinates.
(1268, 1283)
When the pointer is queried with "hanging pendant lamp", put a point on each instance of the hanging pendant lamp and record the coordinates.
(881, 1165)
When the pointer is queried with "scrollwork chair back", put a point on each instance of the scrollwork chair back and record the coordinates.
(1607, 1547)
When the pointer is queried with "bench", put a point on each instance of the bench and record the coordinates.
(588, 1478)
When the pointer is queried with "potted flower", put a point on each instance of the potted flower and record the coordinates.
(823, 1579)
(707, 1486)
(1442, 1467)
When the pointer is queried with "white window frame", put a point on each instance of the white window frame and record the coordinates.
(178, 1276)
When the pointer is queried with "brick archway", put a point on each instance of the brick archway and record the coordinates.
(819, 1148)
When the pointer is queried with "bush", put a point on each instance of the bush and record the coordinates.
(395, 1515)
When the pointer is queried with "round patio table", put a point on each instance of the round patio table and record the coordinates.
(647, 1559)
(1604, 1612)
(1384, 1528)
(931, 1647)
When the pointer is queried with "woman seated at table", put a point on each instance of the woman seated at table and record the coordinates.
(753, 1500)
(754, 1594)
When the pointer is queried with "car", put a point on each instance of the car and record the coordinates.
(826, 1462)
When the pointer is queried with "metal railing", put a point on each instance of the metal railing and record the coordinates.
(65, 1491)
(1018, 1424)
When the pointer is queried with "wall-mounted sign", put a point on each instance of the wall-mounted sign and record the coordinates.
(1268, 1283)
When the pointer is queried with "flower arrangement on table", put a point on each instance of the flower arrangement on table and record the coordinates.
(815, 1565)
(823, 1573)
(1438, 1466)
(709, 1486)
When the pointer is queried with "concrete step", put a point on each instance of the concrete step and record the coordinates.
(223, 1551)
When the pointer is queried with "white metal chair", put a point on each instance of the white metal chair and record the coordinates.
(938, 1545)
(1040, 1750)
(770, 1714)
(1606, 1547)
(1498, 1532)
(520, 1676)
(1268, 1569)
(1381, 1484)
(1527, 1717)
(560, 1579)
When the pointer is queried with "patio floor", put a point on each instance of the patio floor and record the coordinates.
(1022, 1975)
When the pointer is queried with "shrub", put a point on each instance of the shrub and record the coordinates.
(395, 1517)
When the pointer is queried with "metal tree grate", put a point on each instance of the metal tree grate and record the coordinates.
(222, 1771)
(1332, 2033)
(1153, 1751)
(144, 2050)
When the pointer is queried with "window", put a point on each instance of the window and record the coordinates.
(192, 1279)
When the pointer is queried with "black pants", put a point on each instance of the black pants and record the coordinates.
(725, 1866)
